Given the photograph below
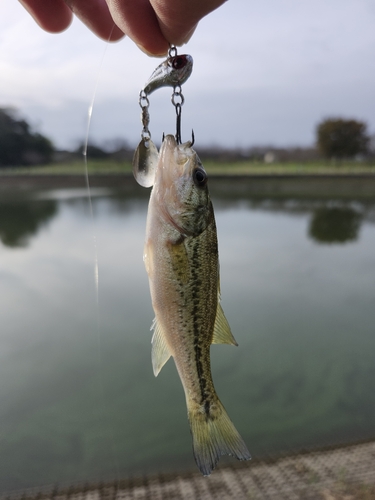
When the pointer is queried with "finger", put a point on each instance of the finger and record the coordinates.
(96, 16)
(52, 16)
(179, 18)
(138, 20)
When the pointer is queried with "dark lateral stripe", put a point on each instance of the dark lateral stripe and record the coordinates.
(198, 351)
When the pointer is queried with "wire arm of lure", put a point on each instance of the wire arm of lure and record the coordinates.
(178, 100)
(178, 123)
(146, 154)
(145, 116)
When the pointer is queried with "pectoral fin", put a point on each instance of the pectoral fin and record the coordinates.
(160, 352)
(148, 258)
(222, 331)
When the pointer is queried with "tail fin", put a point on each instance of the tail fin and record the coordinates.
(214, 435)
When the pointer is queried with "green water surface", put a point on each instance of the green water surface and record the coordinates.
(78, 399)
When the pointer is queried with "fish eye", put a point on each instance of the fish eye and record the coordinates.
(179, 62)
(199, 177)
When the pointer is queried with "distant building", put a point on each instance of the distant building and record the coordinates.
(269, 157)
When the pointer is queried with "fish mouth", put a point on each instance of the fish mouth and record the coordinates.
(183, 204)
(176, 156)
(169, 141)
(176, 162)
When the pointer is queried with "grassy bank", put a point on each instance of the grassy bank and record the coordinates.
(289, 168)
(212, 167)
(72, 168)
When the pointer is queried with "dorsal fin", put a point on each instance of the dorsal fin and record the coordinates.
(160, 352)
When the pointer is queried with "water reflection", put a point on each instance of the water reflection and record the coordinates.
(78, 397)
(335, 225)
(21, 220)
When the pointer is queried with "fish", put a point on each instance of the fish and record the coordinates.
(181, 260)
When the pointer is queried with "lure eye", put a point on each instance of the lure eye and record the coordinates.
(179, 62)
(199, 177)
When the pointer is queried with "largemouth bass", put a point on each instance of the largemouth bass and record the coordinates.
(181, 259)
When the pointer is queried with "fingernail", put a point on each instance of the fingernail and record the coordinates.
(152, 54)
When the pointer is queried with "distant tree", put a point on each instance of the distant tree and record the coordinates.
(93, 151)
(338, 138)
(19, 145)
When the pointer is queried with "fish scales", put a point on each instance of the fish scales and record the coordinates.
(196, 322)
(181, 258)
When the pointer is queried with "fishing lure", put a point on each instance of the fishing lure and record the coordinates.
(173, 72)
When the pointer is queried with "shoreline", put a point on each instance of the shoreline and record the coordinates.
(345, 186)
(345, 472)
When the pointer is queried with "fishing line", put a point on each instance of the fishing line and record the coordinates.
(95, 248)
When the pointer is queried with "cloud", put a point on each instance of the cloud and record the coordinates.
(264, 72)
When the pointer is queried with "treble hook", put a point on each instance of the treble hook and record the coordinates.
(178, 128)
(178, 123)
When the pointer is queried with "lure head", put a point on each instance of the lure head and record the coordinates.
(172, 72)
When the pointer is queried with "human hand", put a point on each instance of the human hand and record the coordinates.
(152, 24)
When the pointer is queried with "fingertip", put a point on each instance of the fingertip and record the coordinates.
(185, 38)
(114, 35)
(138, 21)
(51, 17)
(178, 34)
(153, 51)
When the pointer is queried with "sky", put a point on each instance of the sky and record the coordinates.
(266, 72)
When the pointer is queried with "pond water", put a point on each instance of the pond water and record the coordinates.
(78, 397)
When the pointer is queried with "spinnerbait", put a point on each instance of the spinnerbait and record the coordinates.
(172, 72)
